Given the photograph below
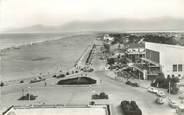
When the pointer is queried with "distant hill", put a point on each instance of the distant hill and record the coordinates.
(120, 25)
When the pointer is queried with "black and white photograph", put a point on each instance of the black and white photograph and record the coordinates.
(91, 57)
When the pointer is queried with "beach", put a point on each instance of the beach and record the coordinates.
(42, 58)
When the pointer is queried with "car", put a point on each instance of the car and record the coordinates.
(1, 84)
(91, 103)
(132, 84)
(22, 81)
(54, 76)
(130, 108)
(88, 69)
(159, 100)
(28, 96)
(172, 104)
(60, 76)
(161, 94)
(152, 90)
(180, 110)
(37, 79)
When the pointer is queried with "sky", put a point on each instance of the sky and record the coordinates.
(23, 13)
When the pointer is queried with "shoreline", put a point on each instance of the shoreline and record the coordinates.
(36, 42)
(40, 44)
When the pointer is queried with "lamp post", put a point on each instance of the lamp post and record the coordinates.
(22, 92)
(169, 87)
(29, 98)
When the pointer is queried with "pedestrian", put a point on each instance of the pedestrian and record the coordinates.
(45, 83)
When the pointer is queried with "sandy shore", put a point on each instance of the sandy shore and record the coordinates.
(43, 58)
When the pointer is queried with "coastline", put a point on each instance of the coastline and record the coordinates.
(54, 63)
(36, 42)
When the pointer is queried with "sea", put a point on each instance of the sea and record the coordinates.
(14, 40)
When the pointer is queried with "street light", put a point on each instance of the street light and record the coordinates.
(29, 98)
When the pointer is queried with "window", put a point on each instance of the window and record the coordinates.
(180, 67)
(174, 68)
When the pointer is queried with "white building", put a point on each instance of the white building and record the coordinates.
(108, 38)
(169, 57)
(160, 58)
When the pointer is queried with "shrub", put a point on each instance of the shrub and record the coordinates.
(173, 89)
(175, 79)
(110, 61)
(164, 83)
(77, 81)
(102, 95)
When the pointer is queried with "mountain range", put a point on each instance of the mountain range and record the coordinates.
(120, 25)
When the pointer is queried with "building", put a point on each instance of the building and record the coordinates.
(108, 38)
(170, 58)
(134, 52)
(160, 58)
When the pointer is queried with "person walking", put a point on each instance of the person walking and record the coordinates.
(45, 83)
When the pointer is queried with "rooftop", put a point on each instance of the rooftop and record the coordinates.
(136, 45)
(58, 110)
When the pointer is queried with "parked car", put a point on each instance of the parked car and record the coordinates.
(38, 79)
(132, 84)
(159, 100)
(180, 110)
(22, 81)
(161, 94)
(54, 76)
(173, 104)
(1, 84)
(91, 103)
(60, 76)
(28, 97)
(152, 90)
(130, 108)
(88, 69)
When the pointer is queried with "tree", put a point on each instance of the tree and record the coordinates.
(110, 61)
(107, 47)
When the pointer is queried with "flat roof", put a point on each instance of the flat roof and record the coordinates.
(167, 45)
(59, 110)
